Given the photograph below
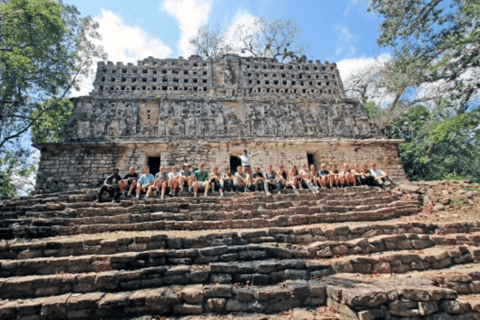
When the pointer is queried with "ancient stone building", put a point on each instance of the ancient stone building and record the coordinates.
(176, 110)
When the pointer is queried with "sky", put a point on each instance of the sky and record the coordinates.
(340, 31)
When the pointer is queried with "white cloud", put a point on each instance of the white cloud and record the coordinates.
(346, 43)
(362, 5)
(349, 66)
(125, 44)
(191, 15)
(242, 20)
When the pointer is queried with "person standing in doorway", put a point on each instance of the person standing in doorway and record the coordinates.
(246, 160)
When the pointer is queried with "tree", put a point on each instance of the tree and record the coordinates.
(276, 39)
(434, 41)
(439, 144)
(45, 48)
(49, 126)
(209, 43)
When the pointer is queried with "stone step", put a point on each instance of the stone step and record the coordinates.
(233, 253)
(407, 296)
(186, 210)
(135, 271)
(48, 228)
(382, 243)
(63, 202)
(379, 297)
(129, 215)
(193, 300)
(109, 243)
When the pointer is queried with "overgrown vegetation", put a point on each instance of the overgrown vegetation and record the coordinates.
(46, 47)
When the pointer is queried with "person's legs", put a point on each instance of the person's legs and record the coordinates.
(391, 180)
(133, 185)
(207, 187)
(100, 193)
(195, 188)
(150, 190)
(122, 184)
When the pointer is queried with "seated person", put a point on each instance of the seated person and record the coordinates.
(129, 182)
(215, 180)
(173, 181)
(315, 177)
(110, 185)
(281, 178)
(307, 178)
(186, 177)
(334, 179)
(302, 172)
(227, 182)
(201, 180)
(358, 175)
(161, 183)
(242, 179)
(258, 180)
(380, 176)
(294, 179)
(146, 180)
(324, 176)
(269, 179)
(367, 176)
(348, 176)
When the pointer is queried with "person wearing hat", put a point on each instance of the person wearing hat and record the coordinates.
(110, 185)
(186, 177)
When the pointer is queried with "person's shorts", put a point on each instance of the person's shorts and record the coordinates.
(201, 185)
(216, 185)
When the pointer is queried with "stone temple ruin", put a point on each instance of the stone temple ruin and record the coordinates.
(175, 110)
(360, 252)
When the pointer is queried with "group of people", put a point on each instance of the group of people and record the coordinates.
(170, 183)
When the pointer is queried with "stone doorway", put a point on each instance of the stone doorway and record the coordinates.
(154, 164)
(234, 163)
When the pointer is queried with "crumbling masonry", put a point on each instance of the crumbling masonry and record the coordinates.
(197, 110)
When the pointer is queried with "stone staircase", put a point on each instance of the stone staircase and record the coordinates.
(65, 257)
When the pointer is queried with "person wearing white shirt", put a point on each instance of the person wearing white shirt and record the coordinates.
(246, 161)
(380, 176)
(173, 181)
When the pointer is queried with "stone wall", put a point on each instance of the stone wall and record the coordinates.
(229, 75)
(112, 120)
(71, 167)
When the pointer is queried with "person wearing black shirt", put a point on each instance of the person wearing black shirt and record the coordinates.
(129, 182)
(269, 179)
(258, 180)
(110, 185)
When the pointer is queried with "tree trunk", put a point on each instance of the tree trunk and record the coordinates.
(430, 150)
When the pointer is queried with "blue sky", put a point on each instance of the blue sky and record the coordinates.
(339, 31)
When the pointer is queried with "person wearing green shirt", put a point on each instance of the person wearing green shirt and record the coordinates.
(201, 179)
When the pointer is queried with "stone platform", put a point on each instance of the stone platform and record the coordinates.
(65, 257)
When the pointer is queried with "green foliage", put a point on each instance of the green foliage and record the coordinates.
(440, 144)
(45, 48)
(49, 127)
(433, 40)
(16, 177)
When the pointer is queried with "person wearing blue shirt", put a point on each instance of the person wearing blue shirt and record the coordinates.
(145, 181)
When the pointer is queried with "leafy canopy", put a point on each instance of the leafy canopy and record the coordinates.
(45, 49)
(434, 41)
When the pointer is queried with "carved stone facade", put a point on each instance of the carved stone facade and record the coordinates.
(195, 110)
